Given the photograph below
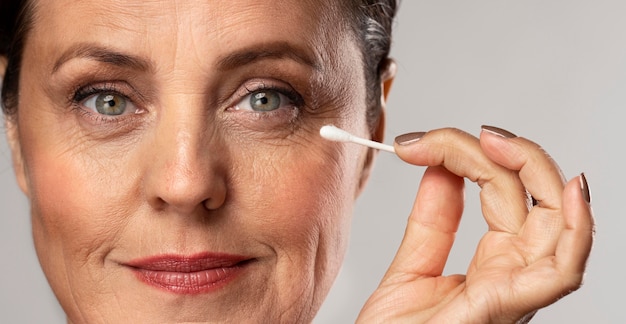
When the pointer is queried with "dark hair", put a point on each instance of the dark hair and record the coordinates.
(373, 24)
(8, 13)
(371, 20)
(15, 21)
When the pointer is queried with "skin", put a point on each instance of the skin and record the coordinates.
(185, 171)
(182, 172)
(528, 259)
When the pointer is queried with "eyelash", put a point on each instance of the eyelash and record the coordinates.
(84, 92)
(291, 94)
(289, 114)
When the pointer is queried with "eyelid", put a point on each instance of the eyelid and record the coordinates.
(246, 101)
(259, 85)
(81, 94)
(86, 92)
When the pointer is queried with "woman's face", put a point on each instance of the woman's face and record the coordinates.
(171, 155)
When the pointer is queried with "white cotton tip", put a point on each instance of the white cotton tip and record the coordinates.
(335, 134)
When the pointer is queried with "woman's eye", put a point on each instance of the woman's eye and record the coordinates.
(263, 100)
(109, 104)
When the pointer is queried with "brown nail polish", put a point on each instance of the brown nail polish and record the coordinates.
(498, 131)
(409, 138)
(584, 187)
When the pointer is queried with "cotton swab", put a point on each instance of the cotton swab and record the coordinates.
(336, 134)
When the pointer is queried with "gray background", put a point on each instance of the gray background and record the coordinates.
(552, 71)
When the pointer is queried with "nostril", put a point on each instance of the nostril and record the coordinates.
(158, 203)
(214, 202)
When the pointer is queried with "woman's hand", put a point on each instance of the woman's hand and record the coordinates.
(529, 257)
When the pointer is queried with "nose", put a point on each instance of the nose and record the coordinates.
(186, 173)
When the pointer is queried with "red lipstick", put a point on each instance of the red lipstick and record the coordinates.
(196, 274)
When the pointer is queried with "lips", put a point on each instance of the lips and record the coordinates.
(201, 273)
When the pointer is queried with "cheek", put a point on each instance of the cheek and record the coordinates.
(78, 215)
(73, 204)
(303, 201)
(76, 207)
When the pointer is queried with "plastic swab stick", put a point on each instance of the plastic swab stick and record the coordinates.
(336, 134)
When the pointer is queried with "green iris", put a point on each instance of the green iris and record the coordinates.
(265, 100)
(110, 104)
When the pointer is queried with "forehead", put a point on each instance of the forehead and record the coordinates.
(125, 12)
(199, 27)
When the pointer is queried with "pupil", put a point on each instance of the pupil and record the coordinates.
(110, 104)
(265, 100)
(109, 100)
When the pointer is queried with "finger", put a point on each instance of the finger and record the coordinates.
(503, 197)
(576, 239)
(544, 282)
(431, 228)
(539, 173)
(541, 176)
(558, 276)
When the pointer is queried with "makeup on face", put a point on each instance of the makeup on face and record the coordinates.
(175, 159)
(189, 275)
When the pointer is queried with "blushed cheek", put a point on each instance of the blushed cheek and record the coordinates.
(71, 224)
(54, 226)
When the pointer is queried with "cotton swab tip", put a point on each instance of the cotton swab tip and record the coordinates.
(333, 133)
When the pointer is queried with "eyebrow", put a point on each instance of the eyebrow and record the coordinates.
(231, 61)
(104, 55)
(275, 50)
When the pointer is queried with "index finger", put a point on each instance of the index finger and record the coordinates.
(503, 196)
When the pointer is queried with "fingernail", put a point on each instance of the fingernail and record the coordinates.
(409, 138)
(584, 187)
(498, 131)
